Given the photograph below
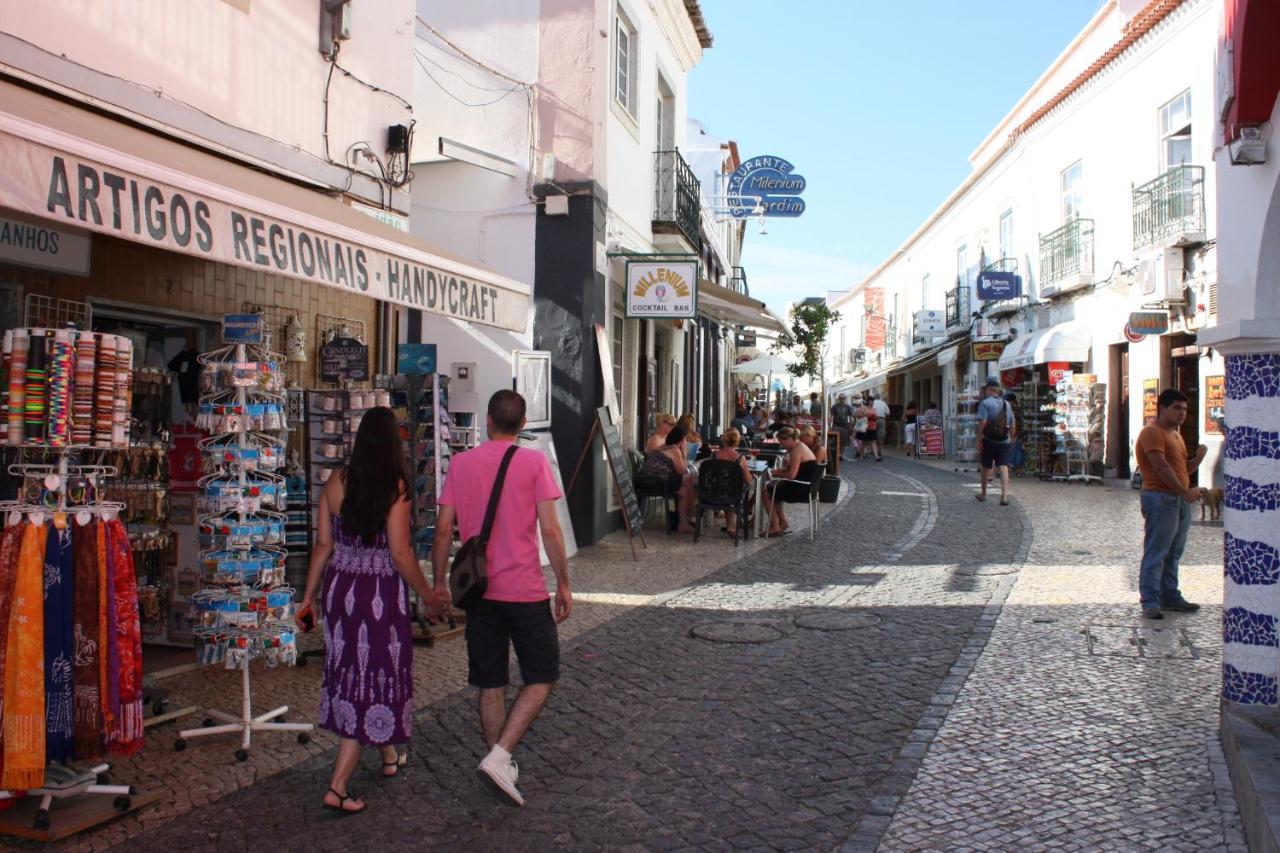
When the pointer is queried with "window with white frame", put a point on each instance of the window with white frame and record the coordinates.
(962, 266)
(617, 339)
(1175, 131)
(1072, 185)
(626, 61)
(1006, 234)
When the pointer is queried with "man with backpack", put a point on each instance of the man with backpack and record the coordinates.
(996, 429)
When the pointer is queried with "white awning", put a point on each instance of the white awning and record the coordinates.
(1063, 342)
(735, 309)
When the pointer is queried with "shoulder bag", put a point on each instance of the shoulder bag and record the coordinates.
(469, 575)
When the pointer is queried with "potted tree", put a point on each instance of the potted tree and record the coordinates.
(806, 339)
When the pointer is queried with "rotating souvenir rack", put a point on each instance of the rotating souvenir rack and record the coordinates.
(244, 610)
(68, 608)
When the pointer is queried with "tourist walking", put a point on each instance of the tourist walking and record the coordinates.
(996, 429)
(842, 420)
(909, 417)
(515, 610)
(880, 418)
(1167, 498)
(364, 555)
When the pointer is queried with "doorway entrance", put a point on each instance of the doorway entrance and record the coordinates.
(1184, 361)
(1119, 405)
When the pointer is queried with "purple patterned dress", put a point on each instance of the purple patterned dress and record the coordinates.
(368, 662)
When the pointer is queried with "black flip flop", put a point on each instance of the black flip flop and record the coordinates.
(401, 760)
(351, 795)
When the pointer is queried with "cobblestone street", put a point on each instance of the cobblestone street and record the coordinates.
(930, 673)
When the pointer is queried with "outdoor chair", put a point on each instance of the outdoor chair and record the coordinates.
(810, 476)
(649, 489)
(721, 486)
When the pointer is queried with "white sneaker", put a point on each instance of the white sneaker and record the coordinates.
(501, 776)
(515, 772)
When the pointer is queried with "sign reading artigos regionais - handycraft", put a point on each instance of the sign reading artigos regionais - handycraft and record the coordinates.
(662, 289)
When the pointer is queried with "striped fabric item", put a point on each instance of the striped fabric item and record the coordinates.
(82, 401)
(123, 398)
(17, 385)
(35, 400)
(62, 358)
(104, 392)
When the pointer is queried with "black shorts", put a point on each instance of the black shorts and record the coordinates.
(870, 435)
(493, 627)
(995, 454)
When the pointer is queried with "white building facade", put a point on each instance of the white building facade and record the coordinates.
(1096, 192)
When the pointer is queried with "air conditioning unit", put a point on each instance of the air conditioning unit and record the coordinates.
(1160, 276)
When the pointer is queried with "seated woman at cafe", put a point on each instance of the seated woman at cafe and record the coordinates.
(667, 465)
(693, 441)
(658, 440)
(809, 437)
(797, 454)
(728, 452)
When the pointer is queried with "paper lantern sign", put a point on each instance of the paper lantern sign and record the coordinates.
(344, 359)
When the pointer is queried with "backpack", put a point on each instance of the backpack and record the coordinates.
(998, 430)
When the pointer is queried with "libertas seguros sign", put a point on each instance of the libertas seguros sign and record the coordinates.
(662, 289)
(97, 197)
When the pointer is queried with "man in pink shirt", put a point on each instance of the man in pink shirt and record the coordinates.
(516, 610)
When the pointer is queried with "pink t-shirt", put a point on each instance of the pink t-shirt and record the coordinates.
(515, 570)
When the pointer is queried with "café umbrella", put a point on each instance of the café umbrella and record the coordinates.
(765, 364)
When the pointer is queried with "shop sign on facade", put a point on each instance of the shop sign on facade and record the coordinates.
(30, 245)
(662, 288)
(1058, 370)
(928, 324)
(1149, 322)
(768, 185)
(1215, 401)
(221, 224)
(996, 284)
(344, 359)
(987, 350)
(745, 339)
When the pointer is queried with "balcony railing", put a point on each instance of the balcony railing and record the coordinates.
(958, 306)
(1066, 252)
(738, 281)
(676, 197)
(1169, 211)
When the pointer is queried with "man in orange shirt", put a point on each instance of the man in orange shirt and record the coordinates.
(1167, 498)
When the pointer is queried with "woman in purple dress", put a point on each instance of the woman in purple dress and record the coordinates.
(364, 553)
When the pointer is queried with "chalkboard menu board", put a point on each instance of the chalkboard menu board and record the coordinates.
(621, 470)
(344, 359)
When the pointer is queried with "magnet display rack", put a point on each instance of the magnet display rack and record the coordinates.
(244, 610)
(966, 426)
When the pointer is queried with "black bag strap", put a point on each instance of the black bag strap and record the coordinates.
(492, 510)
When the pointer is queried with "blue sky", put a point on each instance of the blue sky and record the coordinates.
(877, 104)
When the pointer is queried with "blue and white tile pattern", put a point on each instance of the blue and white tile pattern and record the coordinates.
(1251, 615)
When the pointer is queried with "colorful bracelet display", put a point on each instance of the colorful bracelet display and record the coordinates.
(65, 388)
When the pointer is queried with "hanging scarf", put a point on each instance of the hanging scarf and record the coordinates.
(9, 541)
(24, 669)
(59, 681)
(88, 680)
(108, 657)
(124, 736)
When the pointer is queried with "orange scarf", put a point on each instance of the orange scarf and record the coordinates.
(24, 736)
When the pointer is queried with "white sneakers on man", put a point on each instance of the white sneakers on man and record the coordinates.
(501, 773)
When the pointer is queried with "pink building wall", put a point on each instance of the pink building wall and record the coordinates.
(258, 70)
(569, 103)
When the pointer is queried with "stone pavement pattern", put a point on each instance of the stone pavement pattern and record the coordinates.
(874, 711)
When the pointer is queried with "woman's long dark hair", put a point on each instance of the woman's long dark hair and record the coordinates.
(375, 476)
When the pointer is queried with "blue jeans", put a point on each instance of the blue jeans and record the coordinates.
(1166, 520)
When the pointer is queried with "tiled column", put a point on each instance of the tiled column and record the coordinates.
(1251, 607)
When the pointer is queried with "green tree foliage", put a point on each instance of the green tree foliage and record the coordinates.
(810, 325)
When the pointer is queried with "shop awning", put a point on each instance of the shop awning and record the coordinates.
(729, 306)
(923, 359)
(75, 167)
(1064, 342)
(874, 382)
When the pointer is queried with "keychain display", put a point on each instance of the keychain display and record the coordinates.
(65, 388)
(244, 609)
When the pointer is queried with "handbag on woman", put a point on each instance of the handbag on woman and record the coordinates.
(469, 575)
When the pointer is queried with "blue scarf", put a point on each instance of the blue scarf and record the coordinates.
(59, 648)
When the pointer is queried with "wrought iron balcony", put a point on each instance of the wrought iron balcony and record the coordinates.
(676, 208)
(1169, 211)
(958, 306)
(738, 281)
(1066, 257)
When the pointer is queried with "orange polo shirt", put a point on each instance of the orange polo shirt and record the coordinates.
(1169, 442)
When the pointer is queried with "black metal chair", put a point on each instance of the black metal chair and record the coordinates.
(810, 476)
(649, 489)
(721, 486)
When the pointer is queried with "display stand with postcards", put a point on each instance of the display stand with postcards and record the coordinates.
(244, 610)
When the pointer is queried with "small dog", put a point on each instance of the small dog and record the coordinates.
(1211, 500)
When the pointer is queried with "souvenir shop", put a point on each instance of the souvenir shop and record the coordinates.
(1060, 408)
(173, 403)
